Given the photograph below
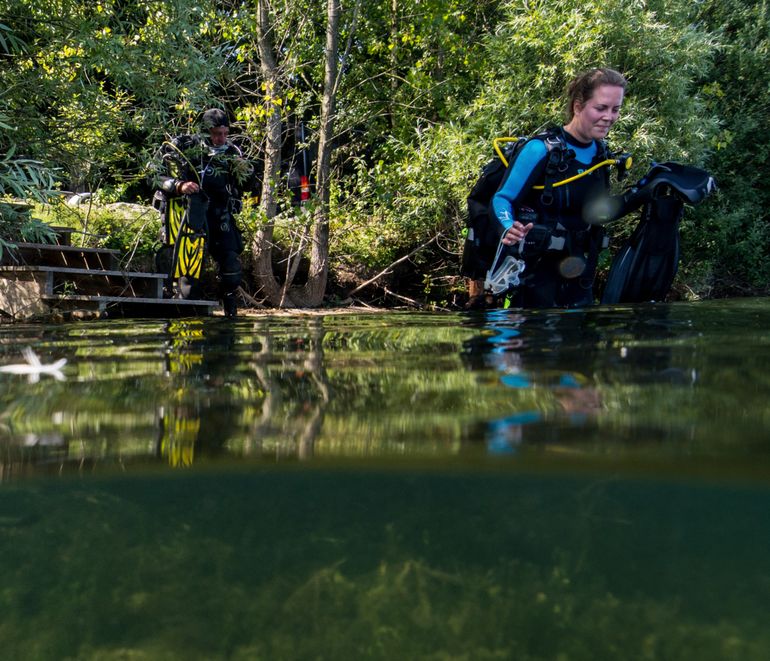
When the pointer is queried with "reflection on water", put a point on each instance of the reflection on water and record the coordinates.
(543, 485)
(651, 382)
(271, 388)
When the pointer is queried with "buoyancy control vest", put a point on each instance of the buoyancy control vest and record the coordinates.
(567, 184)
(482, 231)
(192, 158)
(555, 206)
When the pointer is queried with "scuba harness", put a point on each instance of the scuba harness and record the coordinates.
(483, 242)
(624, 161)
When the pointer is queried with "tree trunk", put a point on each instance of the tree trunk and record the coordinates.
(263, 240)
(394, 77)
(313, 292)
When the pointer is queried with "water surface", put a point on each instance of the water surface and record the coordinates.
(542, 485)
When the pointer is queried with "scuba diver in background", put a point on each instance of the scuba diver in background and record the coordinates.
(546, 219)
(199, 182)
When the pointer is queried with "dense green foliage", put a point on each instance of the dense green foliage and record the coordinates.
(88, 91)
(730, 244)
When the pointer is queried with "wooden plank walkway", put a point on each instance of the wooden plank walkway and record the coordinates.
(39, 279)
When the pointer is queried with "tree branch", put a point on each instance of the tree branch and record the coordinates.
(389, 268)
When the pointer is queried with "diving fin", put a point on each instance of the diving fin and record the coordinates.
(644, 268)
(691, 184)
(188, 232)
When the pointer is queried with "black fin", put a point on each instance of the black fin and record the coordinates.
(692, 184)
(644, 268)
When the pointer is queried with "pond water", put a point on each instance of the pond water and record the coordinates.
(558, 485)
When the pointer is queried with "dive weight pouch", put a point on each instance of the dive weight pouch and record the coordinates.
(537, 241)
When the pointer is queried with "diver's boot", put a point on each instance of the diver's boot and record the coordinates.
(476, 295)
(230, 305)
(189, 288)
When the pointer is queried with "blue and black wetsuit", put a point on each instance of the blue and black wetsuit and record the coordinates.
(557, 212)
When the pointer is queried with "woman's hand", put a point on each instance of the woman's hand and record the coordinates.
(516, 233)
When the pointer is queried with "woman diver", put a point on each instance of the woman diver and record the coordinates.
(549, 190)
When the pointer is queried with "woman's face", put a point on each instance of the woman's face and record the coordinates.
(593, 119)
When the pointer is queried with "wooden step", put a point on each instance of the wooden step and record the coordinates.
(64, 234)
(65, 280)
(38, 278)
(46, 254)
(30, 292)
